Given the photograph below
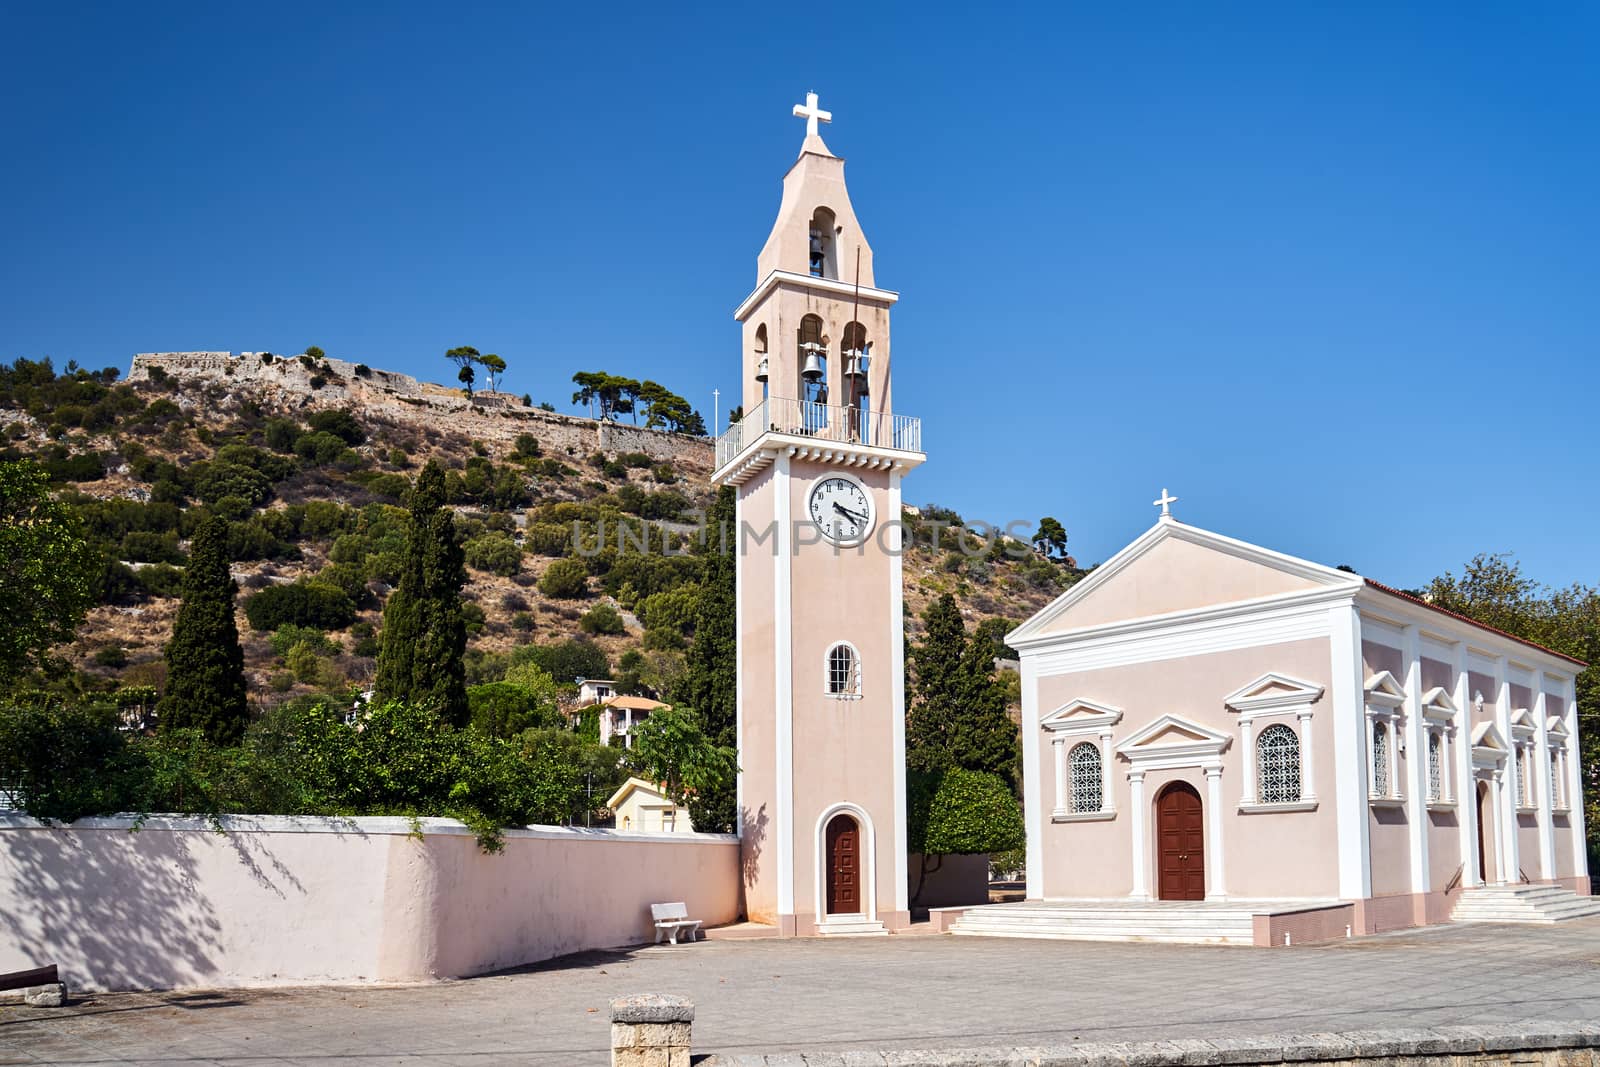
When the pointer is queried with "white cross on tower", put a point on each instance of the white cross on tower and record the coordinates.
(1165, 503)
(812, 114)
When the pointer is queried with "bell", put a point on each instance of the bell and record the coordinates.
(811, 371)
(855, 365)
(761, 370)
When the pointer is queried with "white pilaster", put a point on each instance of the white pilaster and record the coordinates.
(1349, 752)
(1416, 761)
(1058, 751)
(1308, 757)
(1467, 808)
(1247, 760)
(1500, 789)
(1032, 788)
(897, 687)
(1575, 798)
(1136, 819)
(783, 694)
(1217, 887)
(1541, 782)
(1512, 871)
(1108, 800)
(738, 657)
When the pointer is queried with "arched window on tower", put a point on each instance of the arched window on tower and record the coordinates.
(844, 672)
(1278, 764)
(856, 353)
(763, 370)
(823, 246)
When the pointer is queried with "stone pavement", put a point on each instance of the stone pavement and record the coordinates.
(884, 993)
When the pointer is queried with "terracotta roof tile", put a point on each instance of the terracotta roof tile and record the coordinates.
(1392, 591)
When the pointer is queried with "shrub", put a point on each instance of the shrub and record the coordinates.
(303, 662)
(220, 480)
(527, 445)
(505, 709)
(313, 354)
(547, 539)
(363, 371)
(112, 656)
(565, 661)
(291, 634)
(565, 579)
(961, 812)
(302, 603)
(320, 447)
(281, 434)
(342, 424)
(522, 622)
(160, 579)
(602, 619)
(495, 553)
(147, 546)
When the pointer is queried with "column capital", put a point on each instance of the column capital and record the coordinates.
(1213, 772)
(1136, 776)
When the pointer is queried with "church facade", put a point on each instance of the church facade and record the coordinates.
(1205, 719)
(817, 459)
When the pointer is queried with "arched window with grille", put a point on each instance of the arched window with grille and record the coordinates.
(1278, 764)
(1380, 759)
(1435, 767)
(1084, 764)
(844, 672)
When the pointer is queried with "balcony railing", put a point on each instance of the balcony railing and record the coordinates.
(825, 422)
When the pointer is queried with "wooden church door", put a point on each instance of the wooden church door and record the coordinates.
(1180, 843)
(843, 850)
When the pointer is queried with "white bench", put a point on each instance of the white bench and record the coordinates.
(672, 920)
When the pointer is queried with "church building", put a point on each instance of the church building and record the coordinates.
(1207, 720)
(817, 459)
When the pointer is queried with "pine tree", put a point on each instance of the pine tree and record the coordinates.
(709, 686)
(205, 665)
(958, 710)
(424, 639)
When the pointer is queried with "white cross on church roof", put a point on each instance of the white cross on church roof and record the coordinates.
(812, 114)
(1165, 503)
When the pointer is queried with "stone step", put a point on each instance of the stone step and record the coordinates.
(1522, 904)
(1131, 933)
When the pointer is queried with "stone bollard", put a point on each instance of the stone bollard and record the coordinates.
(651, 1030)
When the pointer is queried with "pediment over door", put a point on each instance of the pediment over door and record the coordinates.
(1173, 741)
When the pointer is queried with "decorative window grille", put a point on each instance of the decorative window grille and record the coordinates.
(1380, 760)
(1435, 767)
(843, 678)
(1522, 776)
(1084, 760)
(1278, 764)
(1557, 778)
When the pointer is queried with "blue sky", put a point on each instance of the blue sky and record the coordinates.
(1328, 272)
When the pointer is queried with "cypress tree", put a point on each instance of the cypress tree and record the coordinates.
(205, 665)
(424, 638)
(709, 687)
(958, 711)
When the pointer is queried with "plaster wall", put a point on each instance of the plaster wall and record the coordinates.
(1278, 854)
(1176, 575)
(284, 901)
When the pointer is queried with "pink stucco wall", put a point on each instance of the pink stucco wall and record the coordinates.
(1176, 575)
(276, 901)
(1277, 854)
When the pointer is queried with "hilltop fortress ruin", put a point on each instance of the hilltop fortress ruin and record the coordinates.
(304, 383)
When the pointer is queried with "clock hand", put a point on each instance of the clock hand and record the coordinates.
(846, 511)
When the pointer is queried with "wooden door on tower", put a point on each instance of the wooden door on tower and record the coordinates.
(1180, 843)
(843, 849)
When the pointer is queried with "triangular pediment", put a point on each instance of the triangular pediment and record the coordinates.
(1082, 715)
(1273, 690)
(1382, 688)
(1173, 569)
(1484, 735)
(1522, 724)
(1555, 727)
(1438, 704)
(1172, 731)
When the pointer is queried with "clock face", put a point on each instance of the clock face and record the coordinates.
(842, 510)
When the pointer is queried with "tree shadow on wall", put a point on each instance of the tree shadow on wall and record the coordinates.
(120, 910)
(752, 834)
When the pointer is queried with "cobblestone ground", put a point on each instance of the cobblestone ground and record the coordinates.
(909, 992)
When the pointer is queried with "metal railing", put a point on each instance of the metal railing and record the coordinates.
(825, 422)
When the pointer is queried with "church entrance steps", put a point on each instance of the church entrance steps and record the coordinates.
(1212, 922)
(1522, 904)
(851, 926)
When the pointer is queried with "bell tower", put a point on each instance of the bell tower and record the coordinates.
(817, 459)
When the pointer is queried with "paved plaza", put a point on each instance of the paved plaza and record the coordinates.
(902, 992)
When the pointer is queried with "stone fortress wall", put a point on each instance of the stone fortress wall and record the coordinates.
(287, 382)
